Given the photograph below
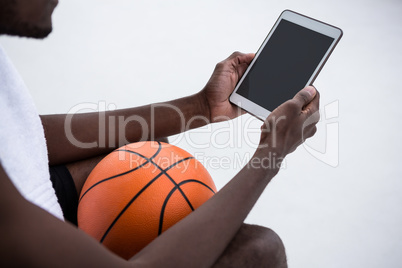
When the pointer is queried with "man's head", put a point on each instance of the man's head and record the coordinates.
(29, 18)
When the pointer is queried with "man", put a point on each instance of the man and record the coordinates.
(213, 235)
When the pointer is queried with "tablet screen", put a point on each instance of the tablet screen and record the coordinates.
(285, 65)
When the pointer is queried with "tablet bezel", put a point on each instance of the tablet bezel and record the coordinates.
(302, 20)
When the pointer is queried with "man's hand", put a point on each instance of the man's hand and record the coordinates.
(292, 123)
(222, 83)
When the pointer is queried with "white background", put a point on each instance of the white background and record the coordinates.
(131, 53)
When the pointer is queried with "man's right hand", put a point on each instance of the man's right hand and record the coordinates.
(291, 123)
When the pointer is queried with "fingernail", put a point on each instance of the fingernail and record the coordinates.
(311, 90)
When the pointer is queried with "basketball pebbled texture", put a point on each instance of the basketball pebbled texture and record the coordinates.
(138, 191)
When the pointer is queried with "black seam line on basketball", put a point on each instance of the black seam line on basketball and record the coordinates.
(140, 155)
(157, 152)
(128, 205)
(175, 183)
(136, 196)
(164, 172)
(124, 173)
(168, 197)
(113, 177)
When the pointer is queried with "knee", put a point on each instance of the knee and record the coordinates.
(263, 247)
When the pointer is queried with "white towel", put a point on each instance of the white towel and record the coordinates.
(23, 152)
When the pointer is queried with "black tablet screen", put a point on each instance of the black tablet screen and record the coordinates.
(285, 65)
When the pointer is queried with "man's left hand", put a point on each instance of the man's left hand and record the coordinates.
(222, 83)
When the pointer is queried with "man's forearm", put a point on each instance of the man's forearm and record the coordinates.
(73, 137)
(203, 235)
(196, 241)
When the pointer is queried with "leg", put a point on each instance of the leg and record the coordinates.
(254, 246)
(80, 170)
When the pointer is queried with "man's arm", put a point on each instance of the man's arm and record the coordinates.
(32, 237)
(80, 136)
(202, 236)
(75, 137)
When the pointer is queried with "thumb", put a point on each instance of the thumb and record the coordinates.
(305, 96)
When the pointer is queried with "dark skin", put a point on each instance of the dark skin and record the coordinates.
(26, 18)
(207, 106)
(32, 237)
(174, 248)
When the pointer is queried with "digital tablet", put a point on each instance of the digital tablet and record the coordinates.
(288, 60)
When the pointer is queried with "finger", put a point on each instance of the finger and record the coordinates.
(239, 58)
(241, 63)
(305, 96)
(313, 107)
(238, 61)
(309, 133)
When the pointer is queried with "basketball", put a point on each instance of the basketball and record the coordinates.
(138, 191)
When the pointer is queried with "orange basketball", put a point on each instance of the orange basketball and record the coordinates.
(138, 191)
